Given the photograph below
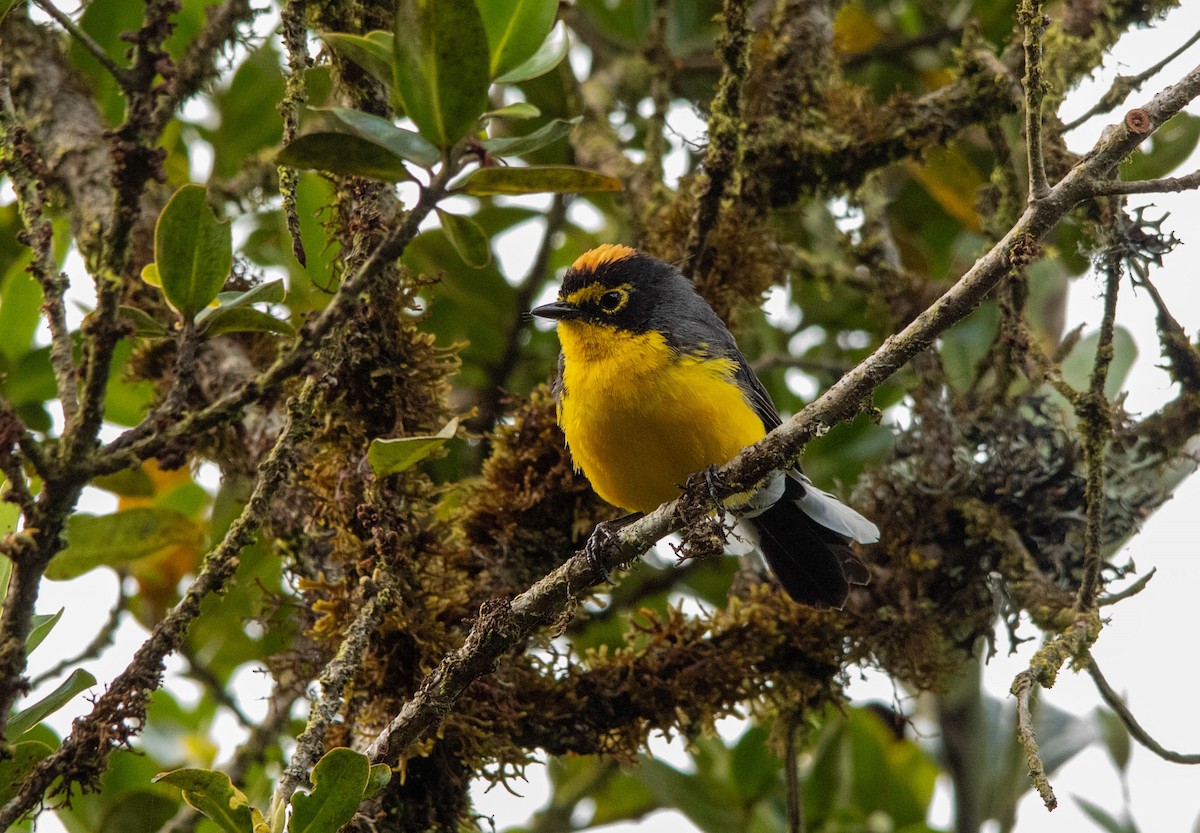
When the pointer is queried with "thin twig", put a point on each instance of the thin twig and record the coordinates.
(1023, 687)
(1096, 427)
(205, 676)
(1034, 21)
(724, 135)
(1169, 184)
(1123, 85)
(122, 75)
(1117, 704)
(1130, 591)
(295, 40)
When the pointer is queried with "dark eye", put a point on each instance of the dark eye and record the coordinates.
(611, 301)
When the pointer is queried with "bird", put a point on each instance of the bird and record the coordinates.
(652, 389)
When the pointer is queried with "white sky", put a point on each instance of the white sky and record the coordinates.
(1144, 649)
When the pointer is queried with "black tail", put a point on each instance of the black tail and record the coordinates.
(815, 565)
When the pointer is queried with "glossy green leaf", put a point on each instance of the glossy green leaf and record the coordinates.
(108, 540)
(380, 777)
(20, 761)
(518, 110)
(245, 320)
(43, 623)
(5, 5)
(343, 154)
(213, 794)
(372, 52)
(140, 321)
(467, 238)
(538, 139)
(339, 780)
(30, 716)
(441, 66)
(193, 251)
(1077, 367)
(394, 456)
(549, 55)
(555, 179)
(383, 132)
(515, 30)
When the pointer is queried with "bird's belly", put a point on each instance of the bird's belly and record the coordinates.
(637, 436)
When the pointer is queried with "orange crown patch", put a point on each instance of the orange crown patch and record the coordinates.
(608, 253)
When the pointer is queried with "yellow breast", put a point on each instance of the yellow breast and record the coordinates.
(639, 419)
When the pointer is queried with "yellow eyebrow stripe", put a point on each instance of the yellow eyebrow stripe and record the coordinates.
(608, 253)
(593, 291)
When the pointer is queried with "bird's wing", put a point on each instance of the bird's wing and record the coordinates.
(754, 392)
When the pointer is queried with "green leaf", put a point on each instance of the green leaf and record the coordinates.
(1115, 736)
(193, 251)
(1106, 820)
(755, 768)
(380, 131)
(441, 66)
(394, 456)
(213, 794)
(245, 320)
(380, 777)
(515, 30)
(5, 6)
(107, 540)
(372, 52)
(42, 625)
(1077, 367)
(549, 55)
(141, 321)
(271, 292)
(22, 758)
(27, 718)
(20, 309)
(538, 139)
(517, 110)
(339, 780)
(468, 239)
(689, 795)
(1169, 147)
(343, 154)
(138, 810)
(127, 483)
(554, 179)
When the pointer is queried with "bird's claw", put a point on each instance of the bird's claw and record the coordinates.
(593, 551)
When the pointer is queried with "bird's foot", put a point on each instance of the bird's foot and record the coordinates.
(601, 539)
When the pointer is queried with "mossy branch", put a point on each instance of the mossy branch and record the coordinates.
(503, 625)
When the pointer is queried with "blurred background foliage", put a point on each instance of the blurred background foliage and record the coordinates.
(912, 163)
